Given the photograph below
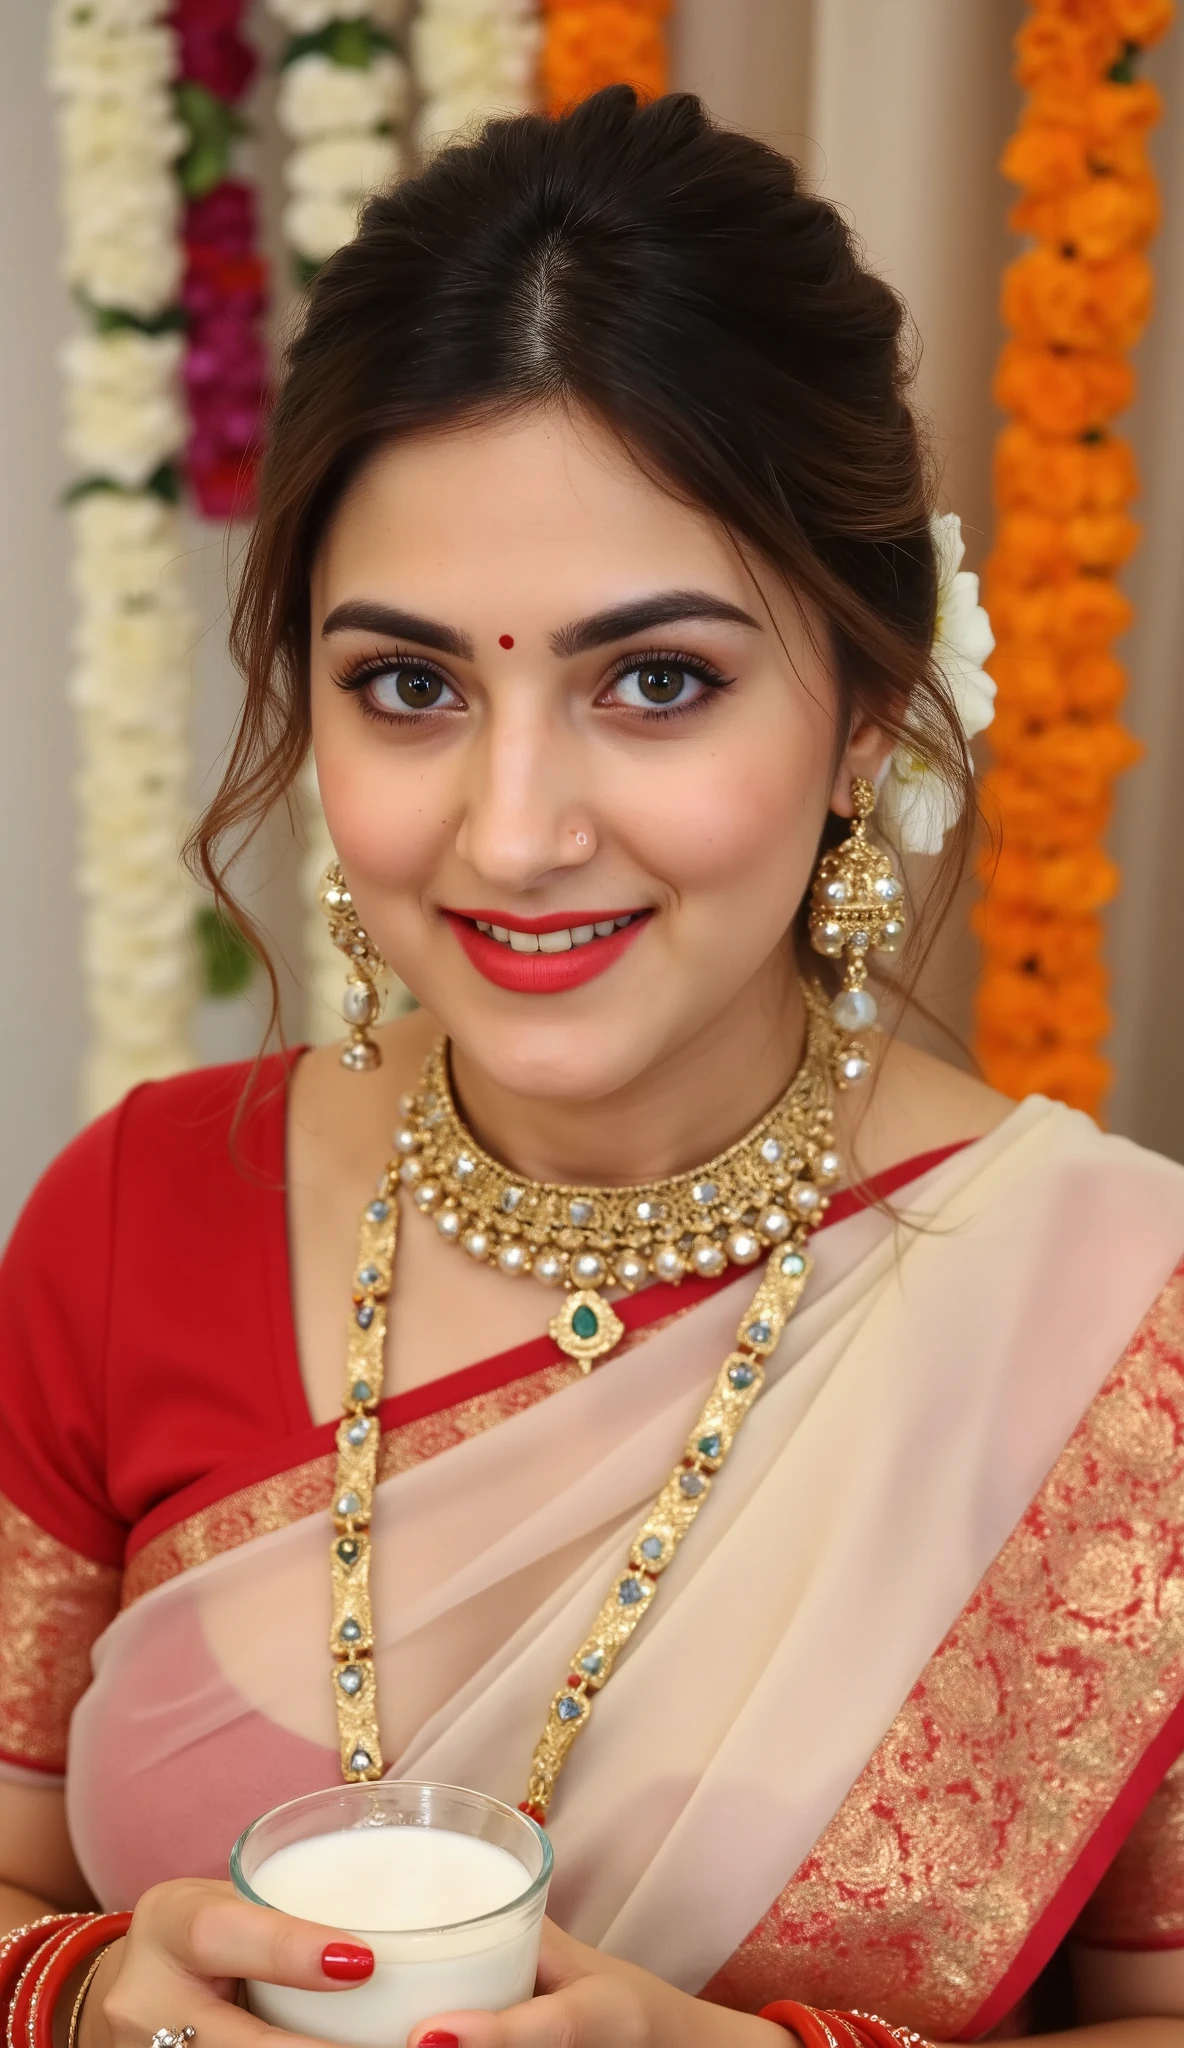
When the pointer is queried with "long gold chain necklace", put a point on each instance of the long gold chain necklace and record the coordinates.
(766, 1191)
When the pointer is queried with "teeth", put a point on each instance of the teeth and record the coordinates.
(553, 942)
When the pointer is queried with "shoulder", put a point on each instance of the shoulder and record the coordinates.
(188, 1132)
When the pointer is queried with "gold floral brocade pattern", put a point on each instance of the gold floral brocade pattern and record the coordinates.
(285, 1497)
(1140, 1901)
(53, 1605)
(1017, 1739)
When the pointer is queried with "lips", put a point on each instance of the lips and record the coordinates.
(545, 955)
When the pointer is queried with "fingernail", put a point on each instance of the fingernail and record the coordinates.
(438, 2039)
(348, 1962)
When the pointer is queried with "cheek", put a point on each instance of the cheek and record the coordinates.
(726, 823)
(387, 818)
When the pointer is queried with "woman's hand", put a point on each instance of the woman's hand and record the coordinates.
(190, 1944)
(589, 2000)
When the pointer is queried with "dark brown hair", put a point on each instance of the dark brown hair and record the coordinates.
(674, 279)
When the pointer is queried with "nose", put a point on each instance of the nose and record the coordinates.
(524, 816)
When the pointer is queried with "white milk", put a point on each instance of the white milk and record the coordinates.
(408, 1892)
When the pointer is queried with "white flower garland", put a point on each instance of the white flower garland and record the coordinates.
(345, 121)
(473, 58)
(111, 66)
(914, 803)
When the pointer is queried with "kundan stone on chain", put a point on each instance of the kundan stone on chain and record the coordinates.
(731, 1211)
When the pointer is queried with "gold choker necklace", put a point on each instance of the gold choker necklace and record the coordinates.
(739, 1200)
(728, 1212)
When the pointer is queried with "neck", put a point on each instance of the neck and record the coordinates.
(700, 1098)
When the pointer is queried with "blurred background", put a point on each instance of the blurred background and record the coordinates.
(899, 110)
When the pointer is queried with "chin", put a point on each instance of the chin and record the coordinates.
(556, 1058)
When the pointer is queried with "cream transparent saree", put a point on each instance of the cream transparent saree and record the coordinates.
(903, 1693)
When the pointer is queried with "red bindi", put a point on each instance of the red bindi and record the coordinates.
(505, 640)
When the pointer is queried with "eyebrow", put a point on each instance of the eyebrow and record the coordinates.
(638, 615)
(599, 629)
(362, 615)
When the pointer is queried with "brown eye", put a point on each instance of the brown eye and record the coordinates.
(657, 683)
(410, 689)
(660, 685)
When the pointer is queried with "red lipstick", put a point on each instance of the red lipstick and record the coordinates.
(542, 974)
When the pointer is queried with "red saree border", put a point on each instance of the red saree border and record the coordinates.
(1139, 1903)
(642, 1314)
(1092, 1864)
(1025, 1752)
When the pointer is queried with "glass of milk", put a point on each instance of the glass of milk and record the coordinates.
(446, 1886)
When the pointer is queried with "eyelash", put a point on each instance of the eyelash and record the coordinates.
(365, 668)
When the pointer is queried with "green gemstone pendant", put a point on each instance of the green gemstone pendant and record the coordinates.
(586, 1327)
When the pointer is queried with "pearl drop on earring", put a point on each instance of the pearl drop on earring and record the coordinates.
(581, 839)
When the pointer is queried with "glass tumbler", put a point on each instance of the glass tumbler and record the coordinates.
(483, 1964)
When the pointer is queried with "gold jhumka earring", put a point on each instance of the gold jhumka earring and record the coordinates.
(856, 908)
(361, 1001)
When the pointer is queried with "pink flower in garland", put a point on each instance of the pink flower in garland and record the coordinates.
(225, 369)
(212, 51)
(225, 287)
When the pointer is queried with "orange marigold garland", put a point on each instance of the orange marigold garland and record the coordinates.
(1073, 303)
(590, 43)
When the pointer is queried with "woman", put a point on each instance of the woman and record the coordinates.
(595, 560)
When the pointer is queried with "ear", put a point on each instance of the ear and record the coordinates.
(865, 753)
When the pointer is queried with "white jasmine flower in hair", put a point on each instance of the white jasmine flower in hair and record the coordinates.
(915, 803)
(963, 638)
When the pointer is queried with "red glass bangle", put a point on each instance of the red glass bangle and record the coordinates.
(75, 1946)
(20, 1946)
(803, 2020)
(818, 2027)
(848, 2031)
(26, 1951)
(878, 2033)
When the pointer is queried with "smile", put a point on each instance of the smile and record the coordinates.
(544, 956)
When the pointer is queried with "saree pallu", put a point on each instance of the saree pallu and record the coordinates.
(904, 1692)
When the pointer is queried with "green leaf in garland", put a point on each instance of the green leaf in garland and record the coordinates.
(351, 43)
(227, 961)
(213, 127)
(164, 483)
(117, 319)
(1123, 72)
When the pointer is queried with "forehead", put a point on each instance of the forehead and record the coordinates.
(545, 508)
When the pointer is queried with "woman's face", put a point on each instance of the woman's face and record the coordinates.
(549, 699)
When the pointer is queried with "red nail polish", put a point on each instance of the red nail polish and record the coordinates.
(438, 2039)
(348, 1962)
